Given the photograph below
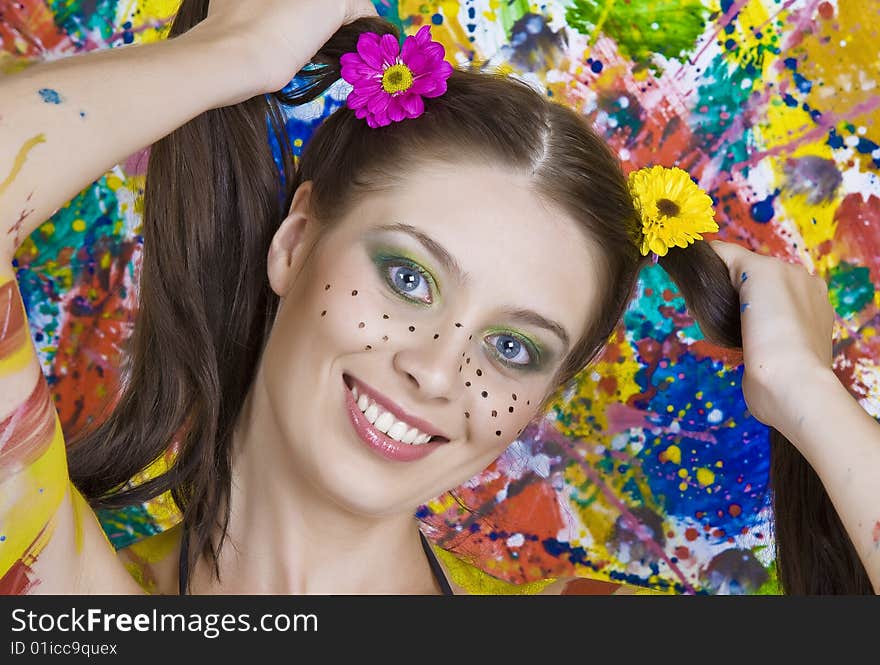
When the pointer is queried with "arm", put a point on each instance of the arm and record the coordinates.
(841, 441)
(67, 122)
(787, 325)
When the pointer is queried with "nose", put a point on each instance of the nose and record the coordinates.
(432, 366)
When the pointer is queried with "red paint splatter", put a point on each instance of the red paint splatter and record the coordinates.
(735, 510)
(586, 587)
(876, 534)
(691, 534)
(826, 10)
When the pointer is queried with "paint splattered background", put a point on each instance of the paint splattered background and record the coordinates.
(651, 471)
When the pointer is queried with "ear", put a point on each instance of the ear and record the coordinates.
(289, 246)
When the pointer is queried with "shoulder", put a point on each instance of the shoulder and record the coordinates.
(466, 578)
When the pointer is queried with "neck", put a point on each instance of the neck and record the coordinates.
(285, 536)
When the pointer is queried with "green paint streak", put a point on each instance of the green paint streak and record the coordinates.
(630, 23)
(720, 99)
(850, 289)
(68, 16)
(390, 11)
(511, 12)
(96, 203)
(643, 317)
(126, 526)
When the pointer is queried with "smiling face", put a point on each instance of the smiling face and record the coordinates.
(440, 308)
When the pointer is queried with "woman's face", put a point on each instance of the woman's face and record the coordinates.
(441, 309)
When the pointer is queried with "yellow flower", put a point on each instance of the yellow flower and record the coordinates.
(674, 210)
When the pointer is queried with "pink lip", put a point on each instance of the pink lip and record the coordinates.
(394, 409)
(380, 443)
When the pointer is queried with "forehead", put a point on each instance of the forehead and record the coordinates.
(515, 248)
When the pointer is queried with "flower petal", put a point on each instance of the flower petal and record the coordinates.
(378, 103)
(390, 49)
(413, 104)
(368, 48)
(395, 110)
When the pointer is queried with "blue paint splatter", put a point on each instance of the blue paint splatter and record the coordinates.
(762, 211)
(744, 277)
(50, 96)
(743, 307)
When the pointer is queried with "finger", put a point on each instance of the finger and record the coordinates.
(736, 258)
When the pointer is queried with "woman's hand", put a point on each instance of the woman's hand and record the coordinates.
(277, 38)
(787, 323)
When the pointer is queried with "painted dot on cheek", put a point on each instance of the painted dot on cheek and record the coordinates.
(470, 338)
(514, 397)
(324, 313)
(468, 361)
(467, 383)
(479, 372)
(467, 415)
(484, 394)
(494, 413)
(354, 293)
(362, 324)
(436, 335)
(412, 328)
(510, 409)
(497, 432)
(327, 288)
(458, 325)
(384, 338)
(368, 348)
(385, 316)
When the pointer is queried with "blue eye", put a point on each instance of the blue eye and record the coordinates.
(510, 349)
(410, 282)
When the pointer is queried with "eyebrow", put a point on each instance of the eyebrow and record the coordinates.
(438, 251)
(451, 265)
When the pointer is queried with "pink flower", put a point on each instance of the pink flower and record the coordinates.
(390, 83)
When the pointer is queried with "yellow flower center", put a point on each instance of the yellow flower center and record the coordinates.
(397, 78)
(668, 208)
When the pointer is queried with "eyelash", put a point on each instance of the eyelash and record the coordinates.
(386, 263)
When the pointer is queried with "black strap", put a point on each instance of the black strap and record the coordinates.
(435, 567)
(183, 566)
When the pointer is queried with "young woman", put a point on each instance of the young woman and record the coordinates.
(333, 348)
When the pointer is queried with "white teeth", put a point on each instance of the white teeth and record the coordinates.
(386, 423)
(371, 413)
(354, 391)
(397, 430)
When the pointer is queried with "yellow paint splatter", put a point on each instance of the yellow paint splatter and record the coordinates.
(20, 159)
(671, 454)
(478, 582)
(705, 476)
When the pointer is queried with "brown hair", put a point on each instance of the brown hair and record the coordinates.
(214, 200)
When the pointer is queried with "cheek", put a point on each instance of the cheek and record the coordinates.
(498, 408)
(351, 316)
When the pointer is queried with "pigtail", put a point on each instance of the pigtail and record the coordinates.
(814, 554)
(213, 200)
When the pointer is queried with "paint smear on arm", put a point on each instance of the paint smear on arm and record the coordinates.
(33, 461)
(20, 159)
